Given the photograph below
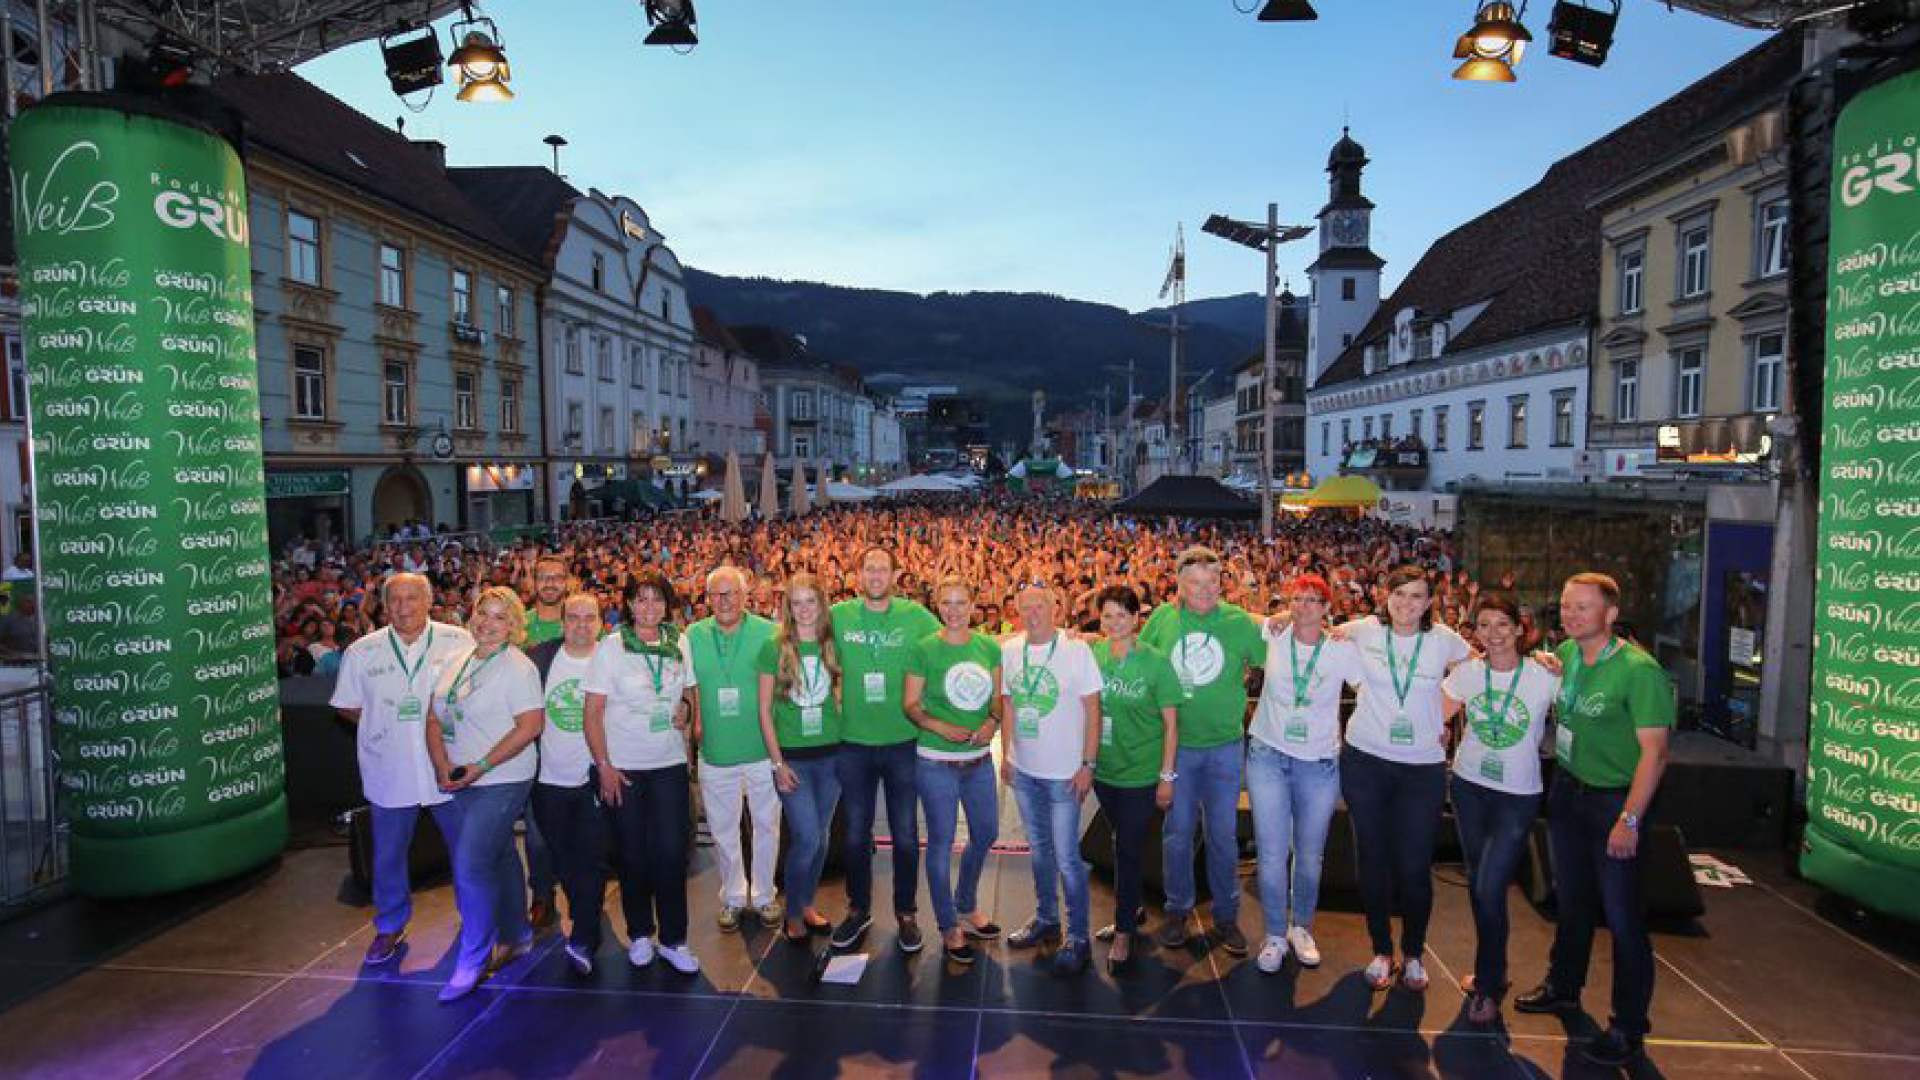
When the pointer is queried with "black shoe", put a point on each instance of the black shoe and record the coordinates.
(1612, 1048)
(1034, 933)
(1173, 932)
(1106, 932)
(1071, 959)
(850, 930)
(963, 953)
(910, 938)
(1231, 939)
(989, 932)
(1546, 999)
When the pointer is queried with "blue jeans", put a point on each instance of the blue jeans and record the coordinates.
(572, 817)
(808, 811)
(1208, 791)
(1051, 814)
(946, 787)
(1292, 807)
(1493, 834)
(1395, 809)
(392, 882)
(652, 835)
(1590, 884)
(489, 882)
(542, 878)
(894, 769)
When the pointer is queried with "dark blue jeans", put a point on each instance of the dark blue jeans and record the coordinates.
(895, 770)
(1589, 884)
(576, 829)
(1493, 834)
(1395, 810)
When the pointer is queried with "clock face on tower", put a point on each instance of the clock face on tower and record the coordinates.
(1348, 227)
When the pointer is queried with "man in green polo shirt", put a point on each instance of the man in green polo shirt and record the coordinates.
(1613, 717)
(873, 633)
(719, 653)
(544, 614)
(1212, 645)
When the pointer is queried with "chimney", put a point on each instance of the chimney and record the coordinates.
(434, 149)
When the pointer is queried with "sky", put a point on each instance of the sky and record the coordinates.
(1046, 145)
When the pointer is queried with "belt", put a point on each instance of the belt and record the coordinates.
(963, 763)
(1589, 789)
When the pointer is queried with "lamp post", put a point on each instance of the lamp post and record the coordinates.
(1265, 239)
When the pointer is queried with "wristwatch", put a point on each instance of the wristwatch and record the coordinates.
(1631, 821)
(1088, 765)
(1169, 777)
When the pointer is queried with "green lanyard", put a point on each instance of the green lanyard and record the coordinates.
(866, 626)
(400, 658)
(1029, 677)
(1400, 689)
(1570, 679)
(454, 691)
(1301, 683)
(1182, 616)
(726, 647)
(1499, 719)
(656, 665)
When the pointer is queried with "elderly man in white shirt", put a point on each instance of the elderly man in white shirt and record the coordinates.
(385, 681)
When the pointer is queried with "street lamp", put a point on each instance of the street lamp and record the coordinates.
(1265, 239)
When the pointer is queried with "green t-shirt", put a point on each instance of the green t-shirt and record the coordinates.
(1600, 709)
(729, 688)
(873, 668)
(807, 714)
(539, 629)
(1134, 691)
(959, 686)
(1211, 654)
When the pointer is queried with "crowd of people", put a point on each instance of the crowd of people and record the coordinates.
(874, 659)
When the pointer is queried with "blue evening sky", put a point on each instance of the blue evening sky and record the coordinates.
(1047, 145)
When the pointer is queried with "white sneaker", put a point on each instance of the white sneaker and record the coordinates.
(1272, 954)
(1304, 946)
(1379, 973)
(581, 959)
(682, 959)
(640, 953)
(1413, 974)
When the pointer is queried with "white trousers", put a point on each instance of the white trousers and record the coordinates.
(721, 789)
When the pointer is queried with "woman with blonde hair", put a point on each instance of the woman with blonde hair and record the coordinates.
(799, 673)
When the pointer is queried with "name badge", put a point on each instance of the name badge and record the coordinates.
(410, 711)
(813, 721)
(874, 687)
(1026, 721)
(660, 719)
(1401, 733)
(1186, 688)
(729, 699)
(1563, 743)
(449, 720)
(1491, 768)
(1106, 730)
(1296, 729)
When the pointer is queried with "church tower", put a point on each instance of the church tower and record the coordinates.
(1346, 276)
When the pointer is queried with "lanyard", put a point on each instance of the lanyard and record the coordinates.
(454, 692)
(409, 672)
(1120, 665)
(1030, 678)
(727, 647)
(1302, 683)
(1499, 719)
(1571, 678)
(656, 665)
(1182, 615)
(806, 680)
(866, 626)
(1400, 690)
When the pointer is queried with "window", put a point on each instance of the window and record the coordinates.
(465, 390)
(1695, 261)
(503, 306)
(576, 362)
(1476, 425)
(510, 406)
(576, 424)
(606, 444)
(16, 380)
(463, 297)
(1326, 437)
(1563, 418)
(637, 367)
(1413, 422)
(599, 272)
(1386, 425)
(1346, 288)
(395, 380)
(640, 429)
(1692, 381)
(802, 446)
(1346, 340)
(1366, 429)
(1439, 427)
(309, 383)
(1633, 273)
(1626, 391)
(802, 405)
(1767, 353)
(1346, 434)
(303, 247)
(603, 357)
(1773, 238)
(1517, 422)
(393, 276)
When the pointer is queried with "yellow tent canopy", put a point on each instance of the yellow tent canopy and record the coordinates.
(1344, 492)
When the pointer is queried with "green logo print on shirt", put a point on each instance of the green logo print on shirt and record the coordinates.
(567, 705)
(968, 686)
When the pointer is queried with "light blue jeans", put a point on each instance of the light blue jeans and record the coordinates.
(489, 881)
(392, 878)
(1208, 790)
(808, 812)
(1292, 806)
(946, 788)
(1051, 815)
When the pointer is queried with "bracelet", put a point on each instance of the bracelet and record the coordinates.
(483, 766)
(1169, 777)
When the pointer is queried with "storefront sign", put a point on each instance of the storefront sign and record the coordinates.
(1863, 769)
(136, 298)
(307, 485)
(484, 478)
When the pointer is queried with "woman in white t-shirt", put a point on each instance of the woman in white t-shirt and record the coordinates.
(484, 715)
(636, 726)
(1393, 771)
(1503, 701)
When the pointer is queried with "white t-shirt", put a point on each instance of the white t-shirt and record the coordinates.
(476, 701)
(564, 757)
(1377, 726)
(1503, 752)
(1047, 703)
(395, 770)
(1311, 733)
(639, 718)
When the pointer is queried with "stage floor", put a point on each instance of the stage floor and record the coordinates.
(262, 978)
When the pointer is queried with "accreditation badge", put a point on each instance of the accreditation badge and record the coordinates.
(1401, 732)
(410, 710)
(1106, 729)
(1492, 768)
(449, 722)
(1296, 730)
(1563, 743)
(813, 721)
(729, 701)
(1026, 720)
(874, 687)
(660, 719)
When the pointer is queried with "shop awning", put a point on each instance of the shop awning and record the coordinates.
(1345, 492)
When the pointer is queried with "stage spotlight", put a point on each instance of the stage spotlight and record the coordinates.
(1493, 46)
(481, 60)
(672, 22)
(1582, 34)
(413, 63)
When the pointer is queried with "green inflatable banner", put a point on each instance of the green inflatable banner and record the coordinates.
(1863, 769)
(137, 308)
